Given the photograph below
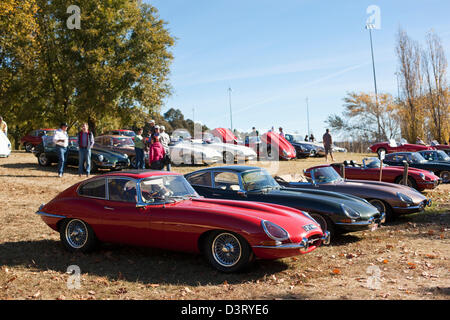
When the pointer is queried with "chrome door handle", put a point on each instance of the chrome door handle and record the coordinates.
(109, 208)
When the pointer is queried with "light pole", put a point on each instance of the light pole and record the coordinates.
(307, 114)
(371, 26)
(231, 113)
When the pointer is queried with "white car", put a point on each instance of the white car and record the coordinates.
(186, 152)
(230, 152)
(5, 146)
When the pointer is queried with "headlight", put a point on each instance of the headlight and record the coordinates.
(125, 156)
(349, 212)
(100, 157)
(404, 198)
(274, 232)
(422, 176)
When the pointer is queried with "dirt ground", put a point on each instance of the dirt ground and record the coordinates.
(406, 259)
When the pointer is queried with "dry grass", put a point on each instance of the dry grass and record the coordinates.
(412, 255)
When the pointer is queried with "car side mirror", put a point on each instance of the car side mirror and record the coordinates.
(242, 193)
(141, 205)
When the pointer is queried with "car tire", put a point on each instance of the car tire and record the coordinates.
(28, 147)
(382, 207)
(325, 224)
(227, 251)
(77, 236)
(228, 157)
(133, 162)
(411, 182)
(445, 176)
(43, 160)
(380, 150)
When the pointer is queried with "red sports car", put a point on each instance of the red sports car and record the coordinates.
(403, 146)
(34, 138)
(161, 209)
(370, 170)
(269, 142)
(443, 147)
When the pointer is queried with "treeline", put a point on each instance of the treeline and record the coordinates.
(421, 108)
(111, 72)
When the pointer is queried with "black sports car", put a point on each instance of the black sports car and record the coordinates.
(100, 159)
(415, 160)
(334, 212)
(304, 149)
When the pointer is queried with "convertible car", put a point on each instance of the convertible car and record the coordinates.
(370, 170)
(160, 209)
(415, 160)
(389, 198)
(100, 159)
(403, 146)
(334, 212)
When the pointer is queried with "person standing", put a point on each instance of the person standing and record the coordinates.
(61, 140)
(327, 142)
(3, 126)
(85, 144)
(281, 133)
(164, 138)
(139, 147)
(311, 138)
(306, 138)
(149, 129)
(156, 154)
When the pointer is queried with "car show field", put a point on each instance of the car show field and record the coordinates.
(407, 258)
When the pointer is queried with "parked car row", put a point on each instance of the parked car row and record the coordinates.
(230, 214)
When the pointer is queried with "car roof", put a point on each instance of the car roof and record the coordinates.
(140, 174)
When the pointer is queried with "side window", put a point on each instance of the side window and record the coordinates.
(94, 189)
(122, 190)
(226, 181)
(201, 179)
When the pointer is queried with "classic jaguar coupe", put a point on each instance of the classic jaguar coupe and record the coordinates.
(389, 198)
(160, 209)
(334, 212)
(370, 170)
(416, 160)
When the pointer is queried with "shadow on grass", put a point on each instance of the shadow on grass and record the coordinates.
(133, 264)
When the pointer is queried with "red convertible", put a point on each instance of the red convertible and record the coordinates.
(403, 146)
(161, 209)
(370, 170)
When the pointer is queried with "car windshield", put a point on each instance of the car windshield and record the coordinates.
(163, 188)
(442, 156)
(258, 180)
(122, 142)
(372, 163)
(297, 138)
(325, 175)
(417, 158)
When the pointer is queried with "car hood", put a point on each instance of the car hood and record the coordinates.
(288, 218)
(376, 187)
(231, 147)
(196, 148)
(109, 153)
(324, 201)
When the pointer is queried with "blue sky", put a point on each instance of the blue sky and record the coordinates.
(275, 54)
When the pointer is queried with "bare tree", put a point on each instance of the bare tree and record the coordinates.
(411, 84)
(434, 65)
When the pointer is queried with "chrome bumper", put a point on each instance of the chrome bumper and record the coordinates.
(369, 222)
(302, 245)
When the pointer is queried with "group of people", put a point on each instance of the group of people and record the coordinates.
(85, 144)
(153, 139)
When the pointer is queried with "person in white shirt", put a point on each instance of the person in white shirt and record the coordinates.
(61, 140)
(164, 138)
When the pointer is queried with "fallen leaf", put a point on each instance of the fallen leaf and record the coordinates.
(336, 271)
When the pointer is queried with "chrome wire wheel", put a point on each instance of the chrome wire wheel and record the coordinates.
(379, 205)
(76, 233)
(43, 160)
(226, 250)
(445, 176)
(29, 147)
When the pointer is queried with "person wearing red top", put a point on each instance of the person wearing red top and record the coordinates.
(156, 154)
